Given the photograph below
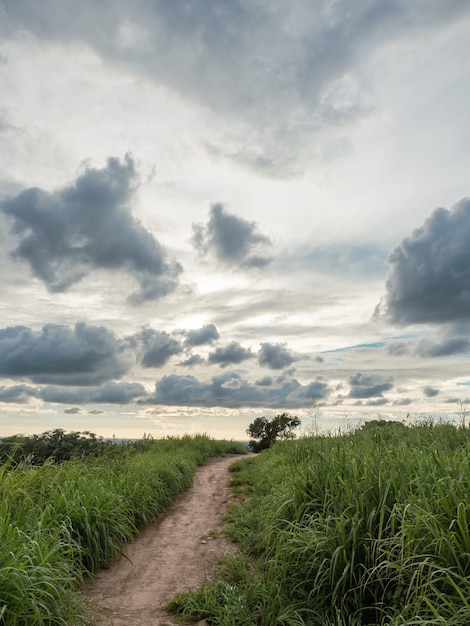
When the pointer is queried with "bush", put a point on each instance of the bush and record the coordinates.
(53, 445)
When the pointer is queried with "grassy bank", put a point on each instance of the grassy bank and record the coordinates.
(60, 522)
(371, 527)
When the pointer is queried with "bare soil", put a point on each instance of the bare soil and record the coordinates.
(176, 553)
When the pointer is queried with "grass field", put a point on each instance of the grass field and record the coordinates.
(59, 522)
(371, 527)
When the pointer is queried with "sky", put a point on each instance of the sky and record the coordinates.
(214, 210)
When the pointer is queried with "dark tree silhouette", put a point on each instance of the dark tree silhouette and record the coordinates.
(265, 430)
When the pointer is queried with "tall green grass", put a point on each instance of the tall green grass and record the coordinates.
(61, 522)
(371, 527)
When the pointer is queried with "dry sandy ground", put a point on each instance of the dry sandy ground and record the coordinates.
(174, 554)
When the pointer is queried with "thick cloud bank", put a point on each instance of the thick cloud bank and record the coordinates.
(429, 278)
(230, 390)
(88, 225)
(231, 239)
(84, 355)
(108, 393)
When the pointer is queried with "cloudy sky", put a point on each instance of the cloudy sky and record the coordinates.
(212, 210)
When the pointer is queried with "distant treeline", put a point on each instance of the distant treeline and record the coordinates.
(53, 445)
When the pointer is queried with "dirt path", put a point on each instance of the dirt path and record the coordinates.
(174, 554)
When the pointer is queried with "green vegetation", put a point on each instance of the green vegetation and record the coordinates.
(265, 431)
(53, 445)
(371, 527)
(59, 522)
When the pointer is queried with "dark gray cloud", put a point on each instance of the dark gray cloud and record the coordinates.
(88, 225)
(403, 402)
(443, 346)
(82, 355)
(230, 390)
(305, 394)
(429, 277)
(157, 347)
(377, 402)
(109, 393)
(18, 394)
(430, 392)
(73, 411)
(194, 359)
(230, 354)
(275, 356)
(201, 336)
(365, 385)
(285, 375)
(266, 381)
(448, 340)
(231, 239)
(255, 62)
(463, 410)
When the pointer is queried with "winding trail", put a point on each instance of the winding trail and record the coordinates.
(175, 553)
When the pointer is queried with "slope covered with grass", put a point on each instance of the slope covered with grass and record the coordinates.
(59, 522)
(371, 527)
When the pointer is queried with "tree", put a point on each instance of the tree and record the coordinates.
(266, 430)
(55, 446)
